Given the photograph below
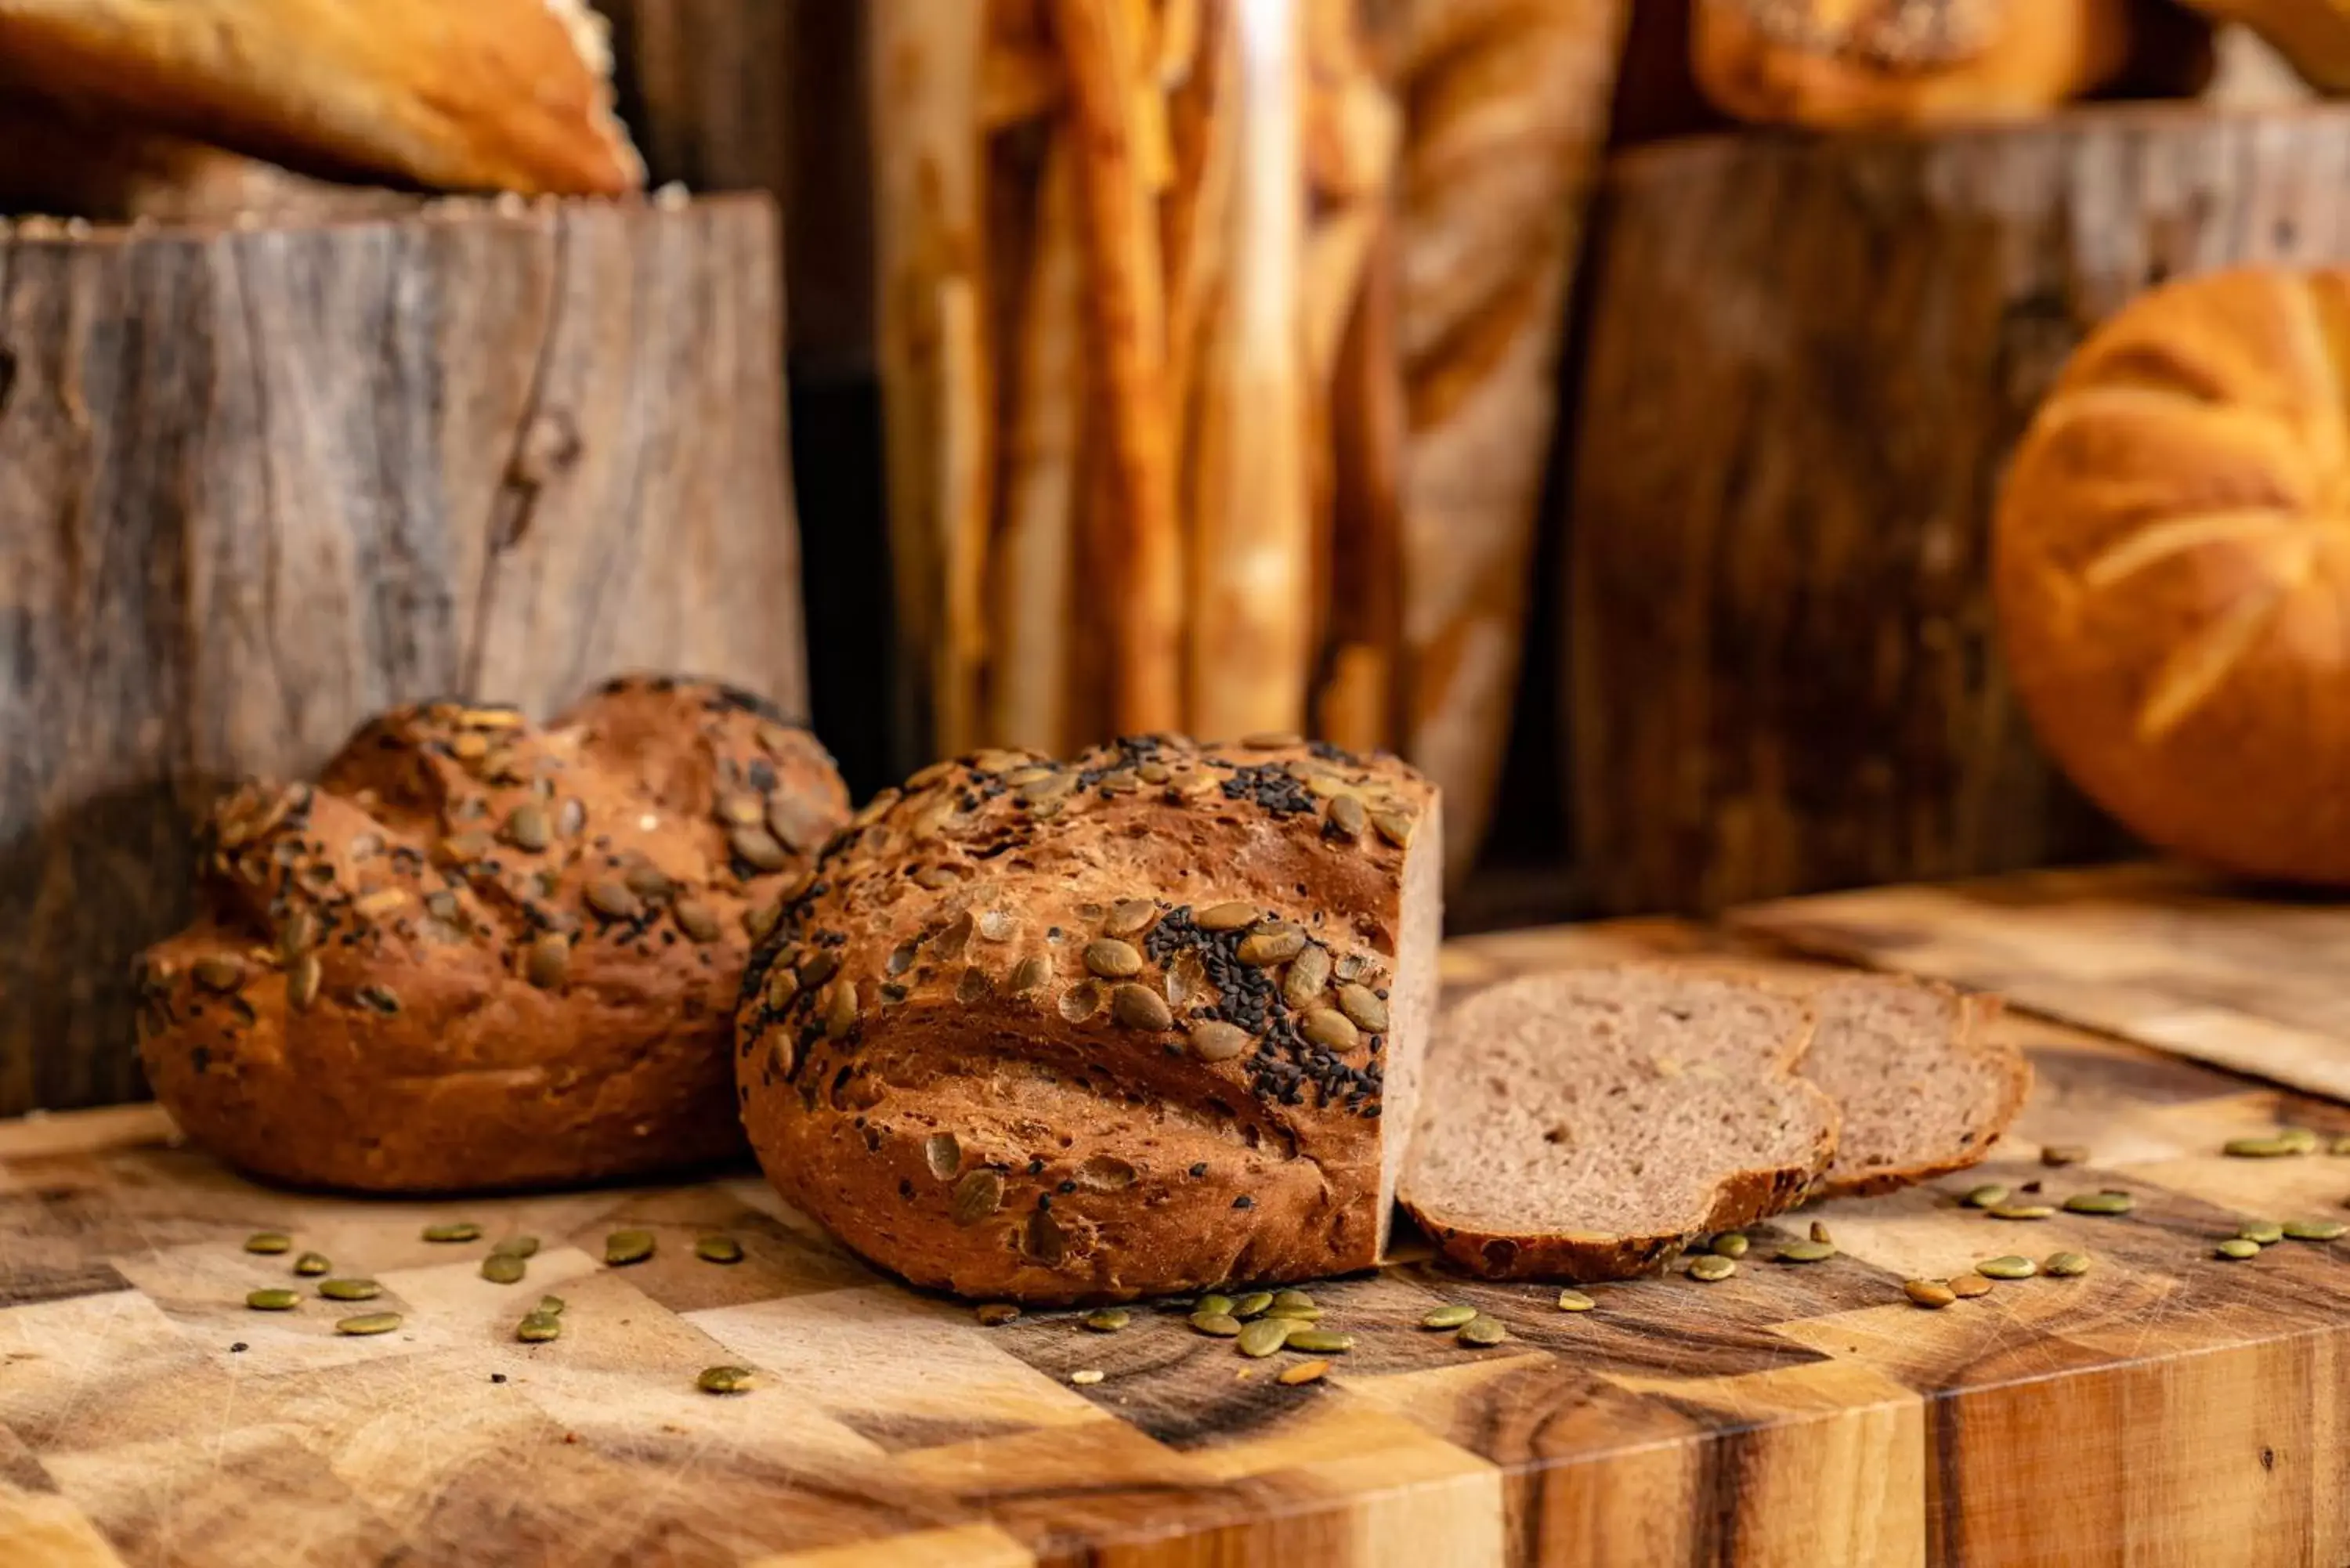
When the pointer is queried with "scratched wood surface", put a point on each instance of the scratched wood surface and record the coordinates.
(2255, 981)
(2167, 1409)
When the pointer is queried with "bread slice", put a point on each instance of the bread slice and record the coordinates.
(1587, 1124)
(1924, 1088)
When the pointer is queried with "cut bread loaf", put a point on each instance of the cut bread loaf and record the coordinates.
(1924, 1088)
(1140, 1023)
(1592, 1123)
(478, 953)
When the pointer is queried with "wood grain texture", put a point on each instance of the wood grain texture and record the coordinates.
(2165, 956)
(1782, 676)
(2167, 1409)
(258, 483)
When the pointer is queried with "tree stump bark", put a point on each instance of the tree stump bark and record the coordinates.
(256, 483)
(1809, 360)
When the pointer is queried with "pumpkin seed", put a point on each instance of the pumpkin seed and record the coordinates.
(610, 896)
(1394, 826)
(1110, 1319)
(1308, 974)
(1709, 1268)
(2236, 1248)
(1216, 1324)
(759, 919)
(718, 1249)
(1451, 1316)
(1029, 976)
(369, 1322)
(839, 1009)
(2062, 1154)
(1305, 1372)
(1329, 1029)
(312, 1264)
(1130, 918)
(1252, 1304)
(757, 848)
(1219, 1041)
(2008, 1268)
(742, 809)
(696, 919)
(276, 1300)
(1048, 791)
(1345, 818)
(381, 997)
(995, 925)
(1112, 958)
(1966, 1287)
(1730, 1244)
(453, 1231)
(943, 1152)
(538, 1327)
(1482, 1332)
(1265, 1336)
(1139, 1007)
(1933, 1294)
(1806, 1252)
(516, 1246)
(726, 1380)
(2275, 1148)
(302, 978)
(571, 817)
(1086, 1378)
(528, 829)
(1317, 1341)
(551, 1306)
(2314, 1230)
(1044, 1239)
(349, 1290)
(1990, 1195)
(1214, 1302)
(2019, 1211)
(548, 962)
(1363, 1008)
(503, 1269)
(1219, 917)
(1289, 1303)
(2340, 1145)
(976, 1196)
(995, 1314)
(219, 973)
(2261, 1232)
(819, 968)
(2064, 1265)
(2302, 1139)
(1575, 1301)
(268, 1242)
(1820, 1233)
(625, 1247)
(1271, 942)
(2107, 1202)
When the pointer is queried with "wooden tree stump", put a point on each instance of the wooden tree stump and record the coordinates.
(256, 483)
(1809, 360)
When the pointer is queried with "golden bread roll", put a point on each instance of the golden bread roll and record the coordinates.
(2172, 571)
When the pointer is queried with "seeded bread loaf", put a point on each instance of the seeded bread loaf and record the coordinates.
(482, 954)
(1923, 1087)
(1592, 1123)
(1139, 1022)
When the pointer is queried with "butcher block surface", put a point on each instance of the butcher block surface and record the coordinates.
(2167, 1408)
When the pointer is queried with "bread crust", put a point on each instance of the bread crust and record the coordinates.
(967, 1051)
(404, 980)
(460, 95)
(2171, 577)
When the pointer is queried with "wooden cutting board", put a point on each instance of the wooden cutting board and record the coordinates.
(2167, 1408)
(2155, 953)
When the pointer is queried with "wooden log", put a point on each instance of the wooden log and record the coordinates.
(258, 483)
(1809, 358)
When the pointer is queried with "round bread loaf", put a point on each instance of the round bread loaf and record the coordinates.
(2173, 571)
(481, 954)
(1140, 1023)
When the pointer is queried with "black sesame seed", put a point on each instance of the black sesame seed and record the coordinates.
(239, 1349)
(1199, 1169)
(1244, 1201)
(497, 1377)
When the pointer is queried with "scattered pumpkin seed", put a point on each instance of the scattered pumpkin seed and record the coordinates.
(1966, 1287)
(1806, 1252)
(1292, 1303)
(1305, 1372)
(1448, 1316)
(2020, 1211)
(538, 1327)
(2340, 1145)
(2302, 1139)
(2274, 1148)
(624, 1247)
(2314, 1230)
(1730, 1245)
(1214, 1304)
(1110, 1319)
(2007, 1268)
(2061, 1154)
(1219, 1041)
(503, 1269)
(726, 1380)
(1252, 1304)
(313, 1263)
(1481, 1332)
(1087, 1377)
(272, 1300)
(349, 1290)
(1216, 1324)
(1265, 1336)
(1989, 1195)
(2237, 1249)
(552, 1306)
(2064, 1265)
(2261, 1232)
(1317, 1341)
(268, 1242)
(718, 1249)
(1710, 1268)
(1932, 1295)
(369, 1322)
(1820, 1233)
(456, 1230)
(2107, 1202)
(517, 1247)
(1575, 1301)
